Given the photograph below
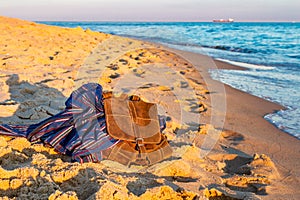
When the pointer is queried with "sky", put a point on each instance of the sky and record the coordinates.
(154, 10)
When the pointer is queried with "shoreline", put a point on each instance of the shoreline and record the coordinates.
(266, 107)
(248, 118)
(248, 142)
(277, 107)
(220, 64)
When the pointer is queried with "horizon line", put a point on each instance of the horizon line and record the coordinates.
(168, 21)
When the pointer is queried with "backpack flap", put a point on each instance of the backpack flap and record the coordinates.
(132, 120)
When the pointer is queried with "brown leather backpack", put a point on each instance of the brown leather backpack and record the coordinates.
(134, 122)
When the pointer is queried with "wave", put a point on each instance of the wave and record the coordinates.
(247, 65)
(294, 56)
(170, 41)
(232, 49)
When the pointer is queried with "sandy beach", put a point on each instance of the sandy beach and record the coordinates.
(246, 157)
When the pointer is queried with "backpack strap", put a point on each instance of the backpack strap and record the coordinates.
(125, 153)
(107, 94)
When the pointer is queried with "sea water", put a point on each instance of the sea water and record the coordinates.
(269, 51)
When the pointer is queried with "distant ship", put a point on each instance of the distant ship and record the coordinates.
(224, 20)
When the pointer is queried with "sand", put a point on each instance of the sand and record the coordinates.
(233, 153)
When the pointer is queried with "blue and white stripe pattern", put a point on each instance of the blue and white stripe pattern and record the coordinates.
(79, 131)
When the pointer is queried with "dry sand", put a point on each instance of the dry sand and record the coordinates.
(40, 66)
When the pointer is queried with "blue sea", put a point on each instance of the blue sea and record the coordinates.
(270, 52)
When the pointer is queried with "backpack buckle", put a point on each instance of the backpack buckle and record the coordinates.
(139, 141)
